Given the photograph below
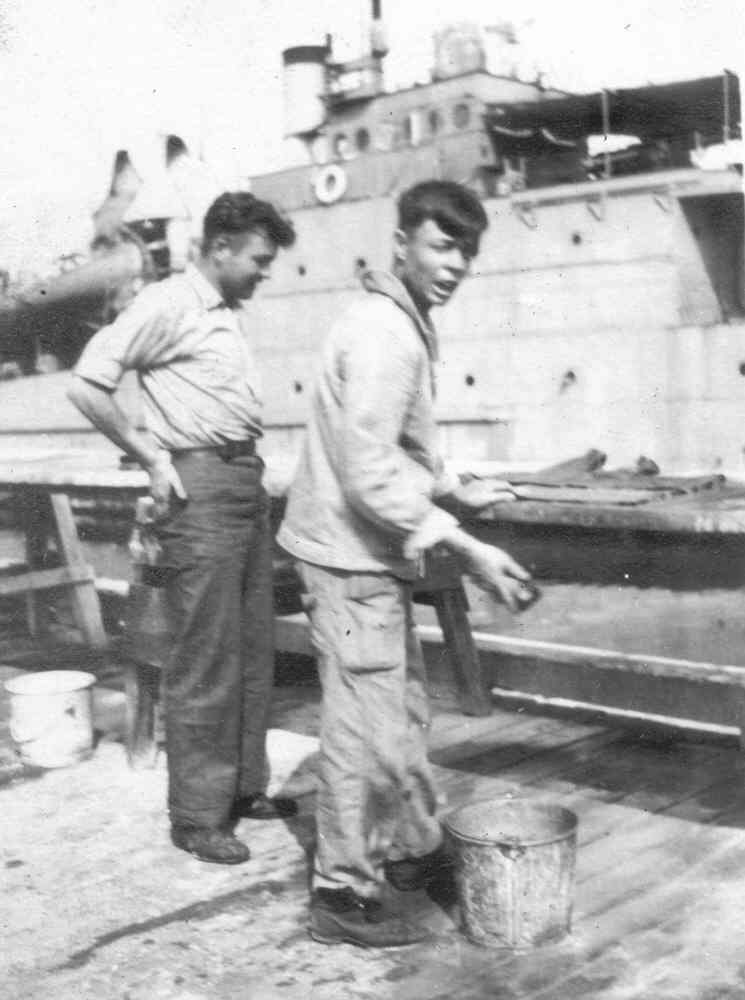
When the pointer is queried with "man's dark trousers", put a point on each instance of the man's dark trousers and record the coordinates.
(217, 549)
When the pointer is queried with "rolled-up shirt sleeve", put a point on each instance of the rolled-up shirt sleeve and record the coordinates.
(380, 376)
(141, 337)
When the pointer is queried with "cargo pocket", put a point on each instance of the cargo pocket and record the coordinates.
(373, 625)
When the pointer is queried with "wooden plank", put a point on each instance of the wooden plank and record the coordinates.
(61, 475)
(85, 604)
(452, 607)
(675, 908)
(35, 517)
(455, 737)
(292, 636)
(542, 752)
(602, 659)
(45, 579)
(721, 514)
(591, 493)
(79, 473)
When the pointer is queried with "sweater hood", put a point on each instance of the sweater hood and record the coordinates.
(385, 283)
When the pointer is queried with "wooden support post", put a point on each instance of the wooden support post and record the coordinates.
(141, 692)
(85, 604)
(35, 516)
(451, 606)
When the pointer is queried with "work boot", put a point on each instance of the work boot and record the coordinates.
(216, 846)
(410, 874)
(340, 915)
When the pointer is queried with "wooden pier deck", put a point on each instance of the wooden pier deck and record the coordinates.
(98, 904)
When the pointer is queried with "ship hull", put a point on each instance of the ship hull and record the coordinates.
(607, 316)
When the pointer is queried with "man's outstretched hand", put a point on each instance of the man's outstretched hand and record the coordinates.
(494, 570)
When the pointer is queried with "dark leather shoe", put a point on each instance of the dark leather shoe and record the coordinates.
(410, 874)
(341, 916)
(216, 846)
(262, 807)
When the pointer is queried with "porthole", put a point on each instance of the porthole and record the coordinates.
(461, 115)
(434, 120)
(297, 386)
(470, 380)
(362, 139)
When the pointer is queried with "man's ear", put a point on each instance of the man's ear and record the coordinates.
(400, 246)
(220, 246)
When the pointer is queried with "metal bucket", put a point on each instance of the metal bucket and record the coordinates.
(51, 718)
(515, 863)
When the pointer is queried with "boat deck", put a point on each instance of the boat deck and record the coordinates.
(100, 905)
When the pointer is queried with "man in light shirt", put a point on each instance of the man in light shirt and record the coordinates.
(361, 512)
(202, 409)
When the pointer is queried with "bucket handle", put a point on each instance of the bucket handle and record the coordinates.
(512, 851)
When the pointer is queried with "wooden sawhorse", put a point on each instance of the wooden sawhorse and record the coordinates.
(47, 513)
(41, 489)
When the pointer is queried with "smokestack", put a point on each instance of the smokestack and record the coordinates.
(378, 43)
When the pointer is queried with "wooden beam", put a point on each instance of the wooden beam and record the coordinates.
(292, 636)
(46, 579)
(35, 516)
(603, 659)
(452, 613)
(85, 604)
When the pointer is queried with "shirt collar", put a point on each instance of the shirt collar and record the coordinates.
(386, 283)
(208, 295)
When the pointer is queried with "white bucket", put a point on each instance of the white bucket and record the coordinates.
(51, 719)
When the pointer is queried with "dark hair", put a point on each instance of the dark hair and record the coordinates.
(456, 210)
(238, 212)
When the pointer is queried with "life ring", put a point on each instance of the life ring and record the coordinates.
(330, 184)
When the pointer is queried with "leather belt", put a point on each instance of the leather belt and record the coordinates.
(227, 451)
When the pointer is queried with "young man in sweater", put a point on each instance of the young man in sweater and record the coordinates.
(362, 510)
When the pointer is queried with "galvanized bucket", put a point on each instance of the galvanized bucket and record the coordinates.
(51, 719)
(515, 861)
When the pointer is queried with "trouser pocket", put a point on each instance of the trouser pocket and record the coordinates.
(373, 623)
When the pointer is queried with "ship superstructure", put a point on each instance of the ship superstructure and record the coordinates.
(607, 305)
